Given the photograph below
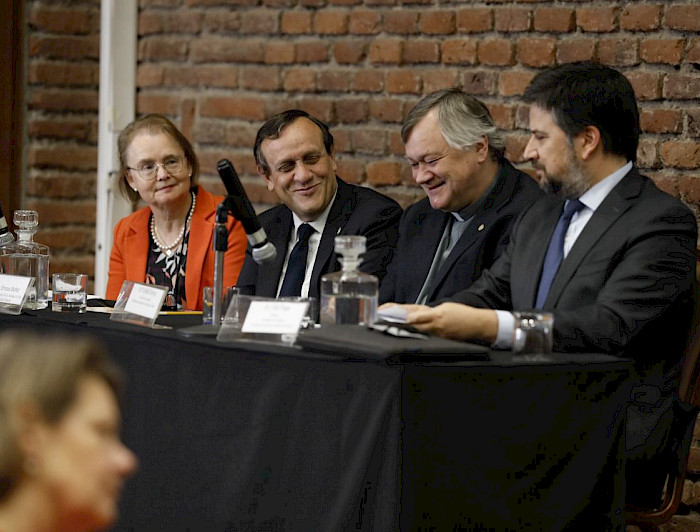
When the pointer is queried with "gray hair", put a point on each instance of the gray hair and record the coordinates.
(463, 120)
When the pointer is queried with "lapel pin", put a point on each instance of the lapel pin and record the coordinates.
(480, 228)
(338, 232)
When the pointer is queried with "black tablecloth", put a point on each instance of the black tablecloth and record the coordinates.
(250, 436)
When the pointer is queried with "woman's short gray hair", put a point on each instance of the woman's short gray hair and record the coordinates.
(463, 120)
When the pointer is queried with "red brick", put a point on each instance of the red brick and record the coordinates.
(503, 115)
(226, 50)
(396, 146)
(259, 78)
(536, 51)
(319, 107)
(311, 51)
(349, 52)
(344, 2)
(648, 154)
(681, 86)
(514, 82)
(694, 128)
(618, 51)
(689, 188)
(511, 18)
(597, 19)
(258, 193)
(480, 82)
(209, 131)
(333, 80)
(474, 20)
(232, 107)
(350, 169)
(575, 49)
(296, 22)
(279, 52)
(351, 110)
(515, 146)
(403, 82)
(661, 120)
(331, 22)
(384, 173)
(554, 19)
(54, 73)
(279, 3)
(69, 156)
(222, 21)
(668, 51)
(300, 79)
(683, 17)
(693, 54)
(372, 141)
(497, 52)
(87, 47)
(66, 127)
(420, 51)
(62, 185)
(152, 21)
(386, 51)
(388, 110)
(312, 3)
(680, 154)
(149, 75)
(343, 139)
(645, 17)
(459, 51)
(215, 2)
(225, 76)
(259, 22)
(63, 99)
(166, 104)
(368, 80)
(63, 19)
(401, 22)
(162, 49)
(364, 22)
(647, 85)
(668, 184)
(437, 22)
(63, 239)
(439, 78)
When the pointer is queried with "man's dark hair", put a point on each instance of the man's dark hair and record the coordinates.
(588, 94)
(272, 129)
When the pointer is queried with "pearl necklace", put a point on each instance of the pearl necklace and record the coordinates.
(169, 249)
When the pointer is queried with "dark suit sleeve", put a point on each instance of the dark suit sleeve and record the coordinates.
(381, 231)
(249, 272)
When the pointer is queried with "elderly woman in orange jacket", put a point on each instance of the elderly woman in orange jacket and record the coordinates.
(168, 242)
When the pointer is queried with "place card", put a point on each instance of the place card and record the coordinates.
(14, 290)
(275, 317)
(139, 303)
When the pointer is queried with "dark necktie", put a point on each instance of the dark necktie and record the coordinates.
(296, 266)
(555, 252)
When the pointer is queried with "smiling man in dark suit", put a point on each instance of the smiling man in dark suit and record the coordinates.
(624, 282)
(473, 196)
(294, 154)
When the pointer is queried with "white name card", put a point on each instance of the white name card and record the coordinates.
(275, 317)
(145, 301)
(13, 288)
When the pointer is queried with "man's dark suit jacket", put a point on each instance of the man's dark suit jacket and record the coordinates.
(627, 288)
(355, 211)
(483, 240)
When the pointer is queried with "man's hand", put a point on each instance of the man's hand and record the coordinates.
(455, 321)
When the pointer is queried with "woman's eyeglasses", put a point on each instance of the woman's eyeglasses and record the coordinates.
(171, 165)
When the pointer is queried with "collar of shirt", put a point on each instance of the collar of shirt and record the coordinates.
(466, 213)
(595, 195)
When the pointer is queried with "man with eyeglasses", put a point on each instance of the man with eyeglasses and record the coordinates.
(294, 154)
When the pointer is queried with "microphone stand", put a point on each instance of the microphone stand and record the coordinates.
(220, 238)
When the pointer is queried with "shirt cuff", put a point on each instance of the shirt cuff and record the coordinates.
(506, 325)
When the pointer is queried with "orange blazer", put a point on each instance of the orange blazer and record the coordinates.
(127, 261)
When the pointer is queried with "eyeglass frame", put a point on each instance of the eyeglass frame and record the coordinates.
(181, 159)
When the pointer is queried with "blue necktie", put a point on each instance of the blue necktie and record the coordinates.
(555, 252)
(296, 266)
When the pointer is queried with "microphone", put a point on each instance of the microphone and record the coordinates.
(5, 235)
(263, 251)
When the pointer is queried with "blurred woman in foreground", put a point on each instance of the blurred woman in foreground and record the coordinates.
(168, 242)
(62, 464)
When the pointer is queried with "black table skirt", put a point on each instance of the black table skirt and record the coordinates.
(255, 437)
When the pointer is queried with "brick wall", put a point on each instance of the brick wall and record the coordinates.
(219, 68)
